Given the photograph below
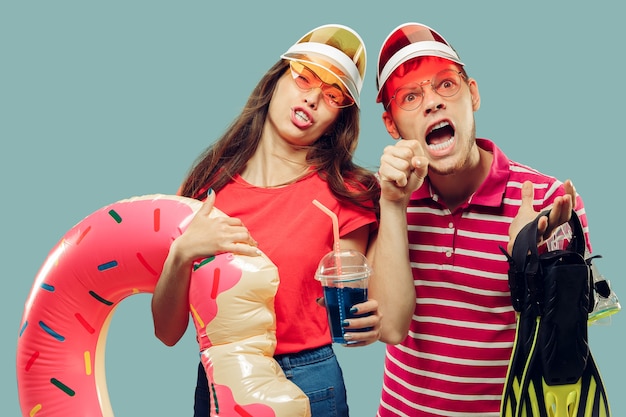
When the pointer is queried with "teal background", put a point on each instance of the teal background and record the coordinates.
(101, 101)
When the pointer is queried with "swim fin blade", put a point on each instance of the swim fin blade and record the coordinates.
(584, 398)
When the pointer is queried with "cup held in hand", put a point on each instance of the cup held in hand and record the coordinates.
(344, 275)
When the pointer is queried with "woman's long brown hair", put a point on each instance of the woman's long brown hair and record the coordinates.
(331, 155)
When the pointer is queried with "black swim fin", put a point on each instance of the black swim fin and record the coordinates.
(552, 372)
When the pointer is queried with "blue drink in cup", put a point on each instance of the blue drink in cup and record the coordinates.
(344, 275)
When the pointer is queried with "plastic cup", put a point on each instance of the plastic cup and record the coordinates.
(344, 275)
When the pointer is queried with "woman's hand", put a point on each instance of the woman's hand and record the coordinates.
(209, 235)
(363, 338)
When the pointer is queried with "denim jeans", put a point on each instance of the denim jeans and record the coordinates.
(316, 372)
(202, 399)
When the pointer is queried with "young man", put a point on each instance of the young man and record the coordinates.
(451, 327)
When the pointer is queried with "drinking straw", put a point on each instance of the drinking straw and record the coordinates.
(335, 221)
(337, 246)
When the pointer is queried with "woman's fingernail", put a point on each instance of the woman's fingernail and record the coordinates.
(353, 310)
(209, 192)
(345, 323)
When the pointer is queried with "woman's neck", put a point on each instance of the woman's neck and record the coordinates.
(272, 166)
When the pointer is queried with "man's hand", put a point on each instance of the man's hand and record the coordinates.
(560, 212)
(403, 168)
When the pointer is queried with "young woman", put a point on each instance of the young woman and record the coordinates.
(292, 143)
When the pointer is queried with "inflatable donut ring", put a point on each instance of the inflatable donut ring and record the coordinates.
(119, 251)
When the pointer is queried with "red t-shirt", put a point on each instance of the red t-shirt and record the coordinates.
(295, 234)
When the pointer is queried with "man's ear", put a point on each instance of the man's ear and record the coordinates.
(390, 125)
(473, 87)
